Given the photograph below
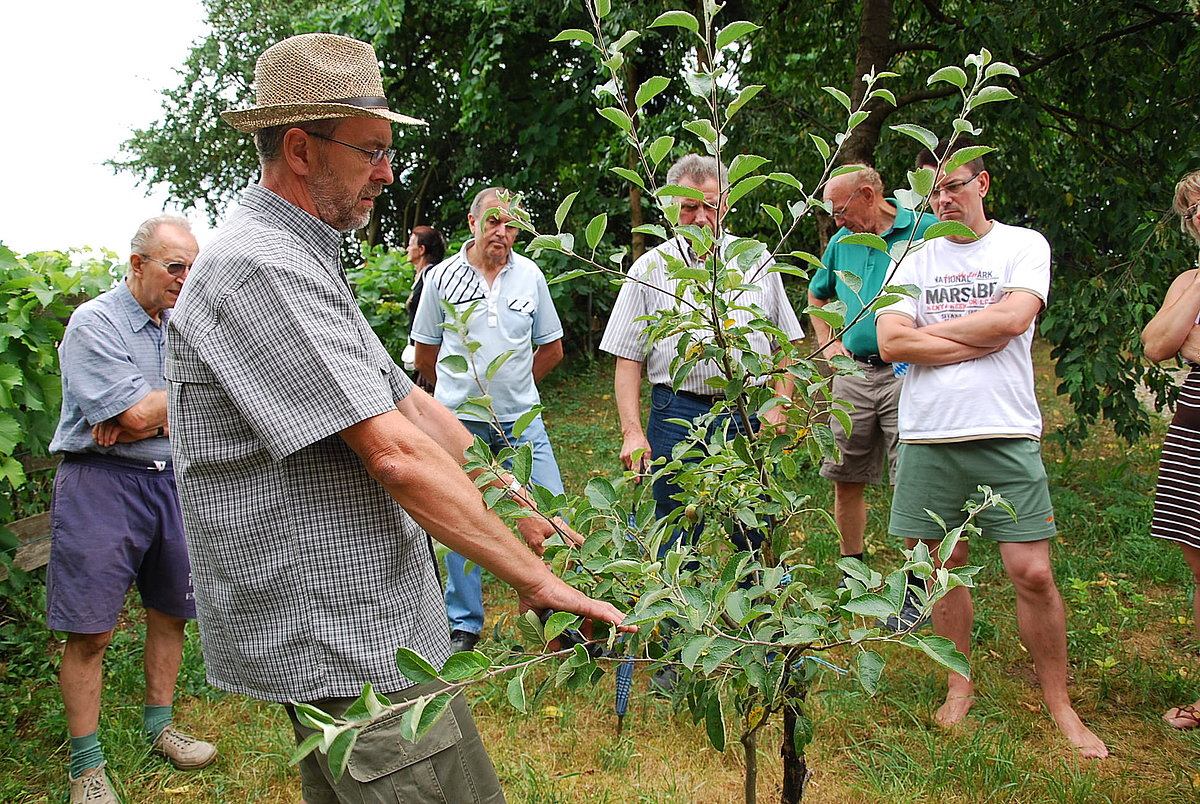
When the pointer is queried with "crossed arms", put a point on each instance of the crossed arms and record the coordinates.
(976, 334)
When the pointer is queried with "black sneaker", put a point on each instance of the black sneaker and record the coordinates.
(462, 641)
(663, 682)
(911, 617)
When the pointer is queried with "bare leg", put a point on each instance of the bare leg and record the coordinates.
(850, 514)
(79, 680)
(1043, 625)
(164, 652)
(953, 616)
(1177, 717)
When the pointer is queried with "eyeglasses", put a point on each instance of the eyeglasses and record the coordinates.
(842, 212)
(1189, 214)
(173, 268)
(377, 156)
(954, 186)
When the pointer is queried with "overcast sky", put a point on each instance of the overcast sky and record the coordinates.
(75, 78)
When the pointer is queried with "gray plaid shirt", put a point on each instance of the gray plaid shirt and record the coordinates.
(308, 575)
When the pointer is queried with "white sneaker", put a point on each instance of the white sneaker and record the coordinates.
(92, 787)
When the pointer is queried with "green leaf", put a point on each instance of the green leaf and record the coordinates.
(524, 420)
(600, 493)
(497, 363)
(702, 129)
(566, 276)
(870, 605)
(714, 721)
(553, 242)
(856, 119)
(964, 155)
(575, 35)
(775, 213)
(10, 433)
(692, 650)
(312, 717)
(618, 117)
(851, 280)
(339, 752)
(734, 31)
(803, 734)
(951, 75)
(658, 149)
(650, 88)
(990, 95)
(455, 364)
(745, 96)
(679, 191)
(744, 164)
(839, 96)
(870, 667)
(921, 180)
(677, 19)
(628, 175)
(624, 41)
(918, 133)
(942, 651)
(516, 692)
(949, 228)
(822, 146)
(595, 230)
(811, 259)
(742, 187)
(311, 743)
(414, 666)
(560, 214)
(559, 621)
(868, 239)
(651, 229)
(886, 94)
(603, 8)
(1000, 68)
(522, 464)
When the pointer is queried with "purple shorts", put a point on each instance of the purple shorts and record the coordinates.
(114, 521)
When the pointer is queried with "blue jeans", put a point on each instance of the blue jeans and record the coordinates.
(663, 435)
(464, 590)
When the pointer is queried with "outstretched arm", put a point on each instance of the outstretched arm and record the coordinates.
(433, 489)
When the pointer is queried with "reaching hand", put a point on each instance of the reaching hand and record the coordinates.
(535, 530)
(635, 453)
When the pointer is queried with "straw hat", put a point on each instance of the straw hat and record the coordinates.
(315, 77)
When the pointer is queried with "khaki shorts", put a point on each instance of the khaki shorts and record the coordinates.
(874, 427)
(942, 477)
(448, 766)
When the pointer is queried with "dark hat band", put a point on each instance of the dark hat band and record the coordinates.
(363, 103)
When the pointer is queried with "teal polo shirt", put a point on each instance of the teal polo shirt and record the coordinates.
(871, 266)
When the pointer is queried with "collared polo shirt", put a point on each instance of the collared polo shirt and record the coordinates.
(650, 291)
(871, 266)
(111, 357)
(513, 314)
(308, 575)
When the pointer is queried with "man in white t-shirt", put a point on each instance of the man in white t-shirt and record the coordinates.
(969, 416)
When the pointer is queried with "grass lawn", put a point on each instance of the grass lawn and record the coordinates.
(1132, 652)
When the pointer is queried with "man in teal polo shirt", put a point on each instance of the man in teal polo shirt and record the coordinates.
(859, 205)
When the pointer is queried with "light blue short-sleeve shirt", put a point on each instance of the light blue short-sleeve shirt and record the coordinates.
(514, 314)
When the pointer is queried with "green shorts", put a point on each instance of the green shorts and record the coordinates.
(448, 766)
(942, 477)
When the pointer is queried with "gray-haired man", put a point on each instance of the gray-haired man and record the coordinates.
(626, 338)
(116, 517)
(309, 463)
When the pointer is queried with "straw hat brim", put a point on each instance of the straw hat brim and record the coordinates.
(260, 117)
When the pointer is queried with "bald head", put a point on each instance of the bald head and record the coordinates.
(858, 202)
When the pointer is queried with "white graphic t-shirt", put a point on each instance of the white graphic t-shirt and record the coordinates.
(991, 396)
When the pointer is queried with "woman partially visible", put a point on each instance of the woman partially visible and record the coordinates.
(1175, 330)
(426, 247)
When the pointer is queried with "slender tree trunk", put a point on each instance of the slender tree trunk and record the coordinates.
(874, 54)
(750, 748)
(795, 767)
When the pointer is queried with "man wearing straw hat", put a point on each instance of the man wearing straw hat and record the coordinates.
(309, 464)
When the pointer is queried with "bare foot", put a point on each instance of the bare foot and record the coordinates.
(1183, 717)
(952, 712)
(1084, 739)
